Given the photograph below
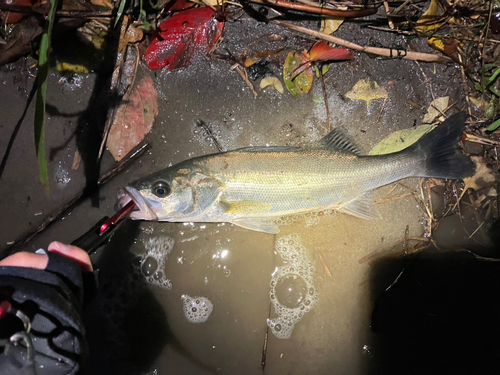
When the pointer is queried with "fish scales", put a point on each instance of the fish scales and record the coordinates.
(303, 179)
(251, 187)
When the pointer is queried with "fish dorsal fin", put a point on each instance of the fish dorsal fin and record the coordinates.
(336, 141)
(362, 207)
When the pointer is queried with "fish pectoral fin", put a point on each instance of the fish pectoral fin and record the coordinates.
(245, 207)
(362, 207)
(257, 224)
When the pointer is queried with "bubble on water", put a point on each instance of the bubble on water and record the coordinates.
(196, 309)
(292, 290)
(151, 264)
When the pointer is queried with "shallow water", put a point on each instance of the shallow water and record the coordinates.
(232, 267)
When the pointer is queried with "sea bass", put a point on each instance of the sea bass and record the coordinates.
(251, 187)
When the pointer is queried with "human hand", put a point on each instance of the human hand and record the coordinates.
(39, 261)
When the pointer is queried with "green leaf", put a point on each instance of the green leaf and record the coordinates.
(41, 95)
(492, 109)
(494, 126)
(493, 77)
(400, 140)
(120, 11)
(300, 83)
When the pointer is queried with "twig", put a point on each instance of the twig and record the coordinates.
(387, 52)
(387, 12)
(124, 163)
(325, 96)
(317, 9)
(473, 233)
(243, 74)
(327, 270)
(210, 134)
(263, 358)
(481, 140)
(381, 110)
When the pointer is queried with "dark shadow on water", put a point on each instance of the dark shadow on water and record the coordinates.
(127, 327)
(440, 317)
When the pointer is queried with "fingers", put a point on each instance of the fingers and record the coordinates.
(24, 259)
(72, 252)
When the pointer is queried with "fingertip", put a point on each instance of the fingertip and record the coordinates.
(72, 252)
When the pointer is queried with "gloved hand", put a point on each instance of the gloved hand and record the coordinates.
(41, 297)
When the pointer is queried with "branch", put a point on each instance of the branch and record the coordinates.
(317, 9)
(387, 52)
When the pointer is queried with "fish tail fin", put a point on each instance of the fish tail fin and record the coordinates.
(442, 155)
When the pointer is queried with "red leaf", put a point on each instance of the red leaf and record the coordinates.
(181, 5)
(134, 118)
(321, 51)
(179, 38)
(13, 17)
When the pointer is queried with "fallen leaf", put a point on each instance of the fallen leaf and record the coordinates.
(272, 81)
(330, 25)
(367, 90)
(134, 118)
(20, 40)
(63, 66)
(13, 17)
(102, 3)
(424, 22)
(181, 36)
(321, 51)
(300, 83)
(400, 140)
(436, 43)
(482, 179)
(213, 3)
(178, 5)
(436, 109)
(478, 102)
(131, 34)
(324, 69)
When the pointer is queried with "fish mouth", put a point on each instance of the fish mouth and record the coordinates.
(142, 209)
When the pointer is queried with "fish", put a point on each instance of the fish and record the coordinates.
(252, 187)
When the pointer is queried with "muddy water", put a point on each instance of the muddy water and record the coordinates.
(159, 272)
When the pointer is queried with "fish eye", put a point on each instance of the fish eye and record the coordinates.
(161, 189)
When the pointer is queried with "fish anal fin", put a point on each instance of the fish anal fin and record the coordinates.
(336, 141)
(245, 207)
(257, 224)
(362, 207)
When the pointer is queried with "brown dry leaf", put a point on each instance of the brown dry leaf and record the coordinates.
(272, 81)
(436, 109)
(134, 118)
(132, 35)
(367, 90)
(483, 178)
(102, 3)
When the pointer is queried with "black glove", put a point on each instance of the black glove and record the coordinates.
(41, 330)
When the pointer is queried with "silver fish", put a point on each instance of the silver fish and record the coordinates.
(251, 187)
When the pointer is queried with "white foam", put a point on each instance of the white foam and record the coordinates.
(151, 264)
(196, 309)
(299, 295)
